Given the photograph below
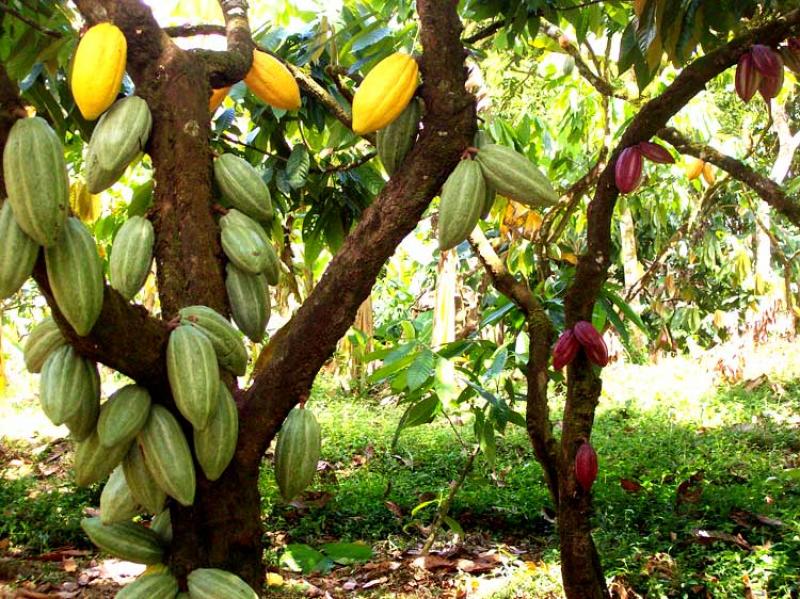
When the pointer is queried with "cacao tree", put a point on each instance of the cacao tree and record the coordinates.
(184, 432)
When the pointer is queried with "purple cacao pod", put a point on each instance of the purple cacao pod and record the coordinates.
(770, 87)
(747, 78)
(586, 466)
(628, 169)
(655, 153)
(591, 341)
(791, 56)
(766, 60)
(565, 349)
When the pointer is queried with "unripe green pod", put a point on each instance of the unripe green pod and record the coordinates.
(242, 186)
(462, 199)
(123, 415)
(17, 253)
(116, 501)
(131, 256)
(193, 374)
(68, 380)
(215, 445)
(249, 300)
(44, 338)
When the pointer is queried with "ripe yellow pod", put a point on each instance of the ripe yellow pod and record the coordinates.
(694, 168)
(385, 92)
(708, 173)
(272, 82)
(217, 96)
(98, 69)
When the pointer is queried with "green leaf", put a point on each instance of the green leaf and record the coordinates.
(141, 200)
(348, 553)
(488, 445)
(297, 167)
(453, 525)
(420, 413)
(305, 559)
(420, 370)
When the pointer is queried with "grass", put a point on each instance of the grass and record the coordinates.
(656, 425)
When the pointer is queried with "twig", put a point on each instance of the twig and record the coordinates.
(29, 22)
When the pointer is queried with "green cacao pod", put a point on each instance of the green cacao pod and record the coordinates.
(83, 423)
(94, 461)
(297, 452)
(151, 586)
(167, 455)
(162, 526)
(68, 380)
(125, 540)
(143, 486)
(249, 300)
(193, 374)
(76, 276)
(17, 253)
(515, 177)
(119, 137)
(396, 139)
(462, 199)
(242, 187)
(44, 338)
(36, 179)
(244, 248)
(215, 445)
(131, 256)
(227, 341)
(123, 415)
(116, 501)
(212, 583)
(481, 139)
(271, 267)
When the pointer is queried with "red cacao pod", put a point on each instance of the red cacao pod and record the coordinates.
(585, 466)
(565, 349)
(747, 77)
(628, 170)
(791, 56)
(766, 60)
(770, 87)
(655, 153)
(591, 341)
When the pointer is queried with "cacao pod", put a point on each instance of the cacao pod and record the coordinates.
(215, 445)
(119, 137)
(244, 248)
(770, 87)
(18, 253)
(68, 380)
(272, 268)
(94, 461)
(86, 206)
(655, 152)
(628, 170)
(565, 349)
(767, 61)
(217, 96)
(396, 139)
(125, 540)
(385, 92)
(242, 186)
(83, 423)
(297, 452)
(515, 177)
(748, 77)
(151, 586)
(592, 342)
(167, 455)
(162, 525)
(791, 57)
(708, 173)
(481, 139)
(212, 583)
(143, 486)
(462, 199)
(116, 501)
(75, 273)
(249, 300)
(36, 179)
(193, 374)
(131, 256)
(123, 415)
(227, 341)
(98, 68)
(585, 466)
(272, 82)
(694, 168)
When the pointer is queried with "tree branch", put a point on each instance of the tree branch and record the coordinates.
(290, 362)
(189, 30)
(226, 68)
(769, 191)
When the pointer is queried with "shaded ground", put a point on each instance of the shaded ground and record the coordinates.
(698, 496)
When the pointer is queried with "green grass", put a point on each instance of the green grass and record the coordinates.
(656, 425)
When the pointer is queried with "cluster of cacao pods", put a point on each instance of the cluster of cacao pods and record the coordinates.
(582, 335)
(696, 167)
(586, 466)
(629, 167)
(269, 80)
(297, 452)
(759, 69)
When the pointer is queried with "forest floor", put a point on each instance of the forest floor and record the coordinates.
(698, 496)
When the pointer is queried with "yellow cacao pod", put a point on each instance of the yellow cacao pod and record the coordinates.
(217, 96)
(98, 69)
(694, 168)
(85, 205)
(385, 92)
(708, 174)
(272, 82)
